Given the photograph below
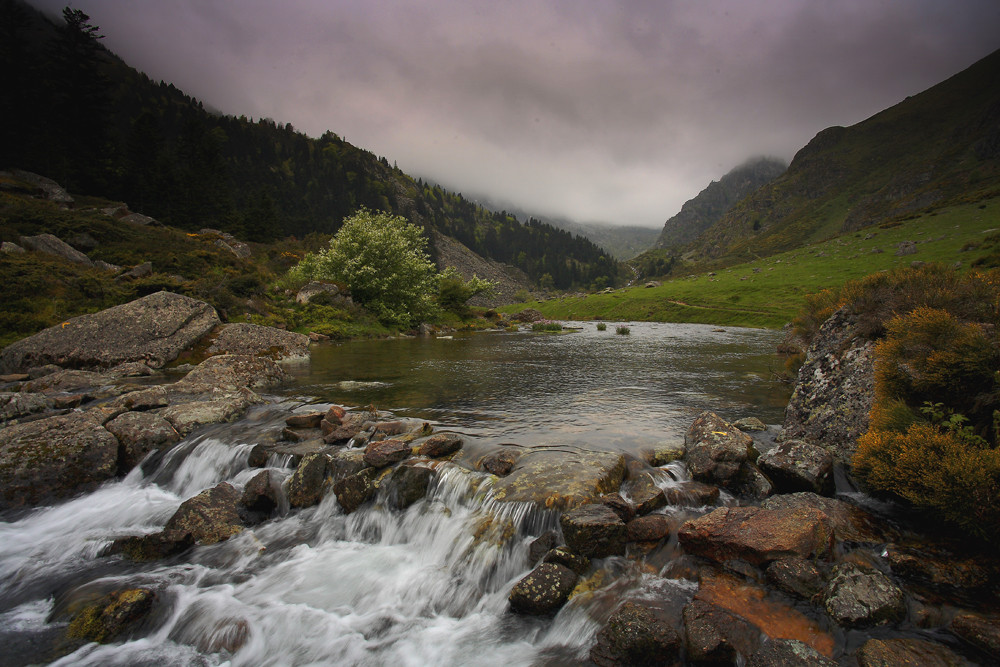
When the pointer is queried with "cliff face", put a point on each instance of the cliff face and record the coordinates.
(713, 202)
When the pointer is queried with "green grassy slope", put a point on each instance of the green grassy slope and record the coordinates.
(768, 292)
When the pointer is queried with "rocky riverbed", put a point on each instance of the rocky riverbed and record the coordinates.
(771, 557)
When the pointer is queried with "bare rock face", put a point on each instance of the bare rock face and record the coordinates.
(757, 535)
(154, 329)
(54, 458)
(256, 340)
(835, 389)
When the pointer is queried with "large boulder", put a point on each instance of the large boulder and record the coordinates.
(139, 433)
(561, 479)
(211, 516)
(594, 530)
(758, 535)
(835, 389)
(54, 458)
(255, 340)
(543, 590)
(850, 523)
(230, 373)
(860, 597)
(187, 416)
(154, 329)
(636, 634)
(795, 465)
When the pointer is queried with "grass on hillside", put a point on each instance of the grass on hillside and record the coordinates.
(769, 292)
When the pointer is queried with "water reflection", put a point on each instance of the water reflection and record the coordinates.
(589, 388)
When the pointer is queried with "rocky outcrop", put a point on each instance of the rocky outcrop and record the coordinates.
(835, 389)
(326, 293)
(544, 590)
(254, 340)
(154, 329)
(54, 458)
(561, 480)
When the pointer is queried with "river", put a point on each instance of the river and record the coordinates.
(378, 587)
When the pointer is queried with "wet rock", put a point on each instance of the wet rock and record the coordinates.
(563, 556)
(113, 617)
(650, 528)
(308, 484)
(296, 435)
(560, 479)
(255, 340)
(753, 482)
(636, 634)
(211, 516)
(718, 453)
(66, 380)
(594, 530)
(692, 494)
(716, 636)
(541, 545)
(390, 428)
(544, 590)
(834, 390)
(143, 399)
(500, 463)
(156, 546)
(335, 415)
(750, 425)
(386, 453)
(645, 494)
(407, 485)
(346, 462)
(939, 569)
(355, 490)
(757, 535)
(618, 505)
(348, 429)
(795, 465)
(798, 577)
(54, 458)
(440, 445)
(850, 523)
(259, 497)
(908, 651)
(980, 631)
(21, 404)
(53, 245)
(661, 455)
(857, 597)
(788, 653)
(304, 420)
(153, 329)
(259, 456)
(139, 433)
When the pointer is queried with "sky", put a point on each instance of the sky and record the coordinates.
(593, 110)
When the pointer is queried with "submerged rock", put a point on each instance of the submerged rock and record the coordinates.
(154, 329)
(113, 617)
(561, 480)
(155, 546)
(692, 494)
(500, 463)
(543, 590)
(636, 634)
(54, 458)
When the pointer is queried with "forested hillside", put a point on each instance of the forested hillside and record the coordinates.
(78, 114)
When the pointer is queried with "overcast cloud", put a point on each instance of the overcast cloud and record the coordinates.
(595, 110)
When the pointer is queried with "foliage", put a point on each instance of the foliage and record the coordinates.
(382, 258)
(454, 292)
(601, 326)
(622, 330)
(932, 438)
(546, 325)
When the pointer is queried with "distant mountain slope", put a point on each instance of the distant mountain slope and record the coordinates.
(933, 149)
(704, 210)
(78, 114)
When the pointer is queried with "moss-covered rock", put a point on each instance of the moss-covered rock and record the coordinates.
(543, 590)
(211, 516)
(114, 616)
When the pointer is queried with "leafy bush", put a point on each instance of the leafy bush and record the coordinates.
(601, 326)
(454, 292)
(383, 260)
(622, 330)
